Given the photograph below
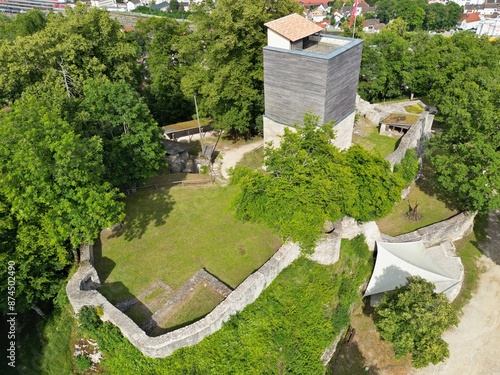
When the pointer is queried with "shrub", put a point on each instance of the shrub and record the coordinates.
(89, 320)
(82, 363)
(409, 166)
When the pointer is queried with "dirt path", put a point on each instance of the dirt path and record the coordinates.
(474, 344)
(233, 156)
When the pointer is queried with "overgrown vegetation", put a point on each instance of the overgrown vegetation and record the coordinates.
(408, 167)
(285, 330)
(413, 317)
(308, 181)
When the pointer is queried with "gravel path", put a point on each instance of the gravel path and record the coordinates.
(233, 156)
(474, 344)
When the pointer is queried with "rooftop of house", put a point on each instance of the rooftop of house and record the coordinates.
(293, 27)
(472, 17)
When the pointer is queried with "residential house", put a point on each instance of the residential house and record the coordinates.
(469, 21)
(373, 25)
(163, 6)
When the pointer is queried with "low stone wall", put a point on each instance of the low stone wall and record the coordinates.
(81, 292)
(452, 229)
(413, 137)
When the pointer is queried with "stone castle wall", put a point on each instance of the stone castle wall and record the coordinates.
(81, 292)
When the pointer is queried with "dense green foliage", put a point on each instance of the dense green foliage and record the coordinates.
(413, 318)
(466, 158)
(161, 89)
(225, 62)
(74, 132)
(285, 331)
(84, 43)
(308, 181)
(23, 24)
(418, 14)
(409, 166)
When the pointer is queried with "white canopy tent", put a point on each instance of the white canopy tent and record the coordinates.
(396, 261)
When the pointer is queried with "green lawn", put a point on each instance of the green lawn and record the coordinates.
(375, 142)
(430, 208)
(253, 159)
(170, 234)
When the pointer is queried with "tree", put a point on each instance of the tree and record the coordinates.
(466, 158)
(377, 188)
(173, 6)
(385, 63)
(131, 140)
(85, 43)
(412, 11)
(412, 318)
(225, 63)
(308, 181)
(52, 192)
(162, 91)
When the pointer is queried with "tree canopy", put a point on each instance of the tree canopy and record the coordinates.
(308, 181)
(413, 318)
(75, 131)
(225, 63)
(53, 194)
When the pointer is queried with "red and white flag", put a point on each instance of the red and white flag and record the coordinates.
(353, 15)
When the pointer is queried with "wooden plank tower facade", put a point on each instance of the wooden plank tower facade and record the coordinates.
(306, 71)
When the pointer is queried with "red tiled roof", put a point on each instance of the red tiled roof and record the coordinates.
(472, 17)
(128, 28)
(293, 27)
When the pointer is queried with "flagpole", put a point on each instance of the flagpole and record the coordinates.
(354, 28)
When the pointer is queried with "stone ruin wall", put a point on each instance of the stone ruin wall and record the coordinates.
(413, 137)
(81, 287)
(81, 292)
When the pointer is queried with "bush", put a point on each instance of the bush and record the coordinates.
(409, 166)
(89, 319)
(413, 318)
(82, 363)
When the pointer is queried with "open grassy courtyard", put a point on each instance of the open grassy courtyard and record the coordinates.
(169, 235)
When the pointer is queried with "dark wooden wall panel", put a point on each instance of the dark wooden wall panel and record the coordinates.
(295, 83)
(342, 84)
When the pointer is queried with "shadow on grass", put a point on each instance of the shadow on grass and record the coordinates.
(119, 295)
(152, 205)
(428, 184)
(487, 232)
(103, 265)
(348, 360)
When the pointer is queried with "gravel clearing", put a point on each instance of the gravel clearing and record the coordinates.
(475, 343)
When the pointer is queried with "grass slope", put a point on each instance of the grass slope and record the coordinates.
(430, 208)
